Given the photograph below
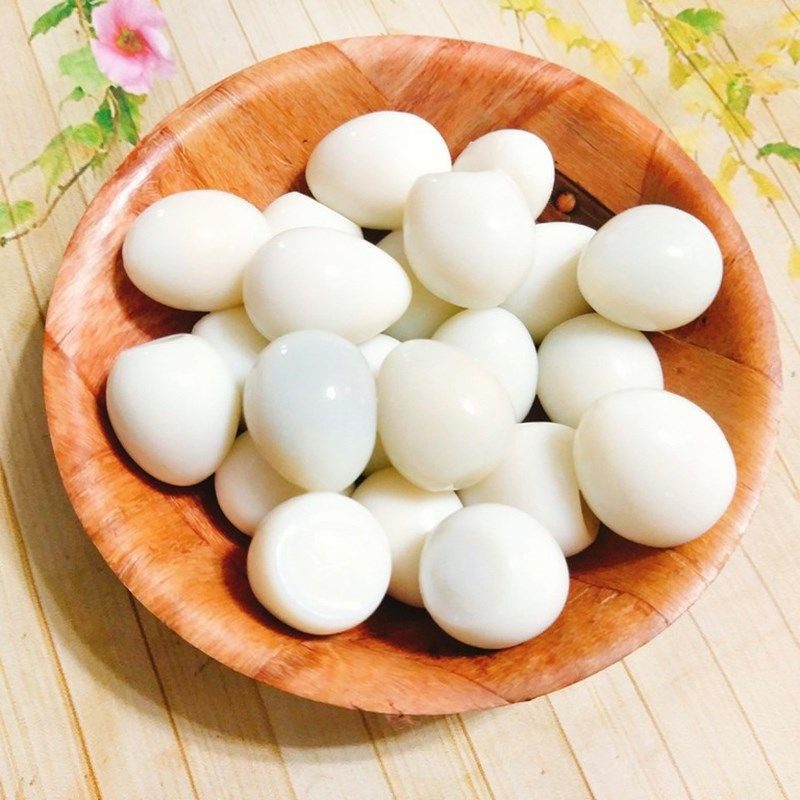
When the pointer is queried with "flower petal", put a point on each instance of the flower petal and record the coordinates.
(131, 72)
(105, 22)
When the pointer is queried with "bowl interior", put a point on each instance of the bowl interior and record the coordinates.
(251, 134)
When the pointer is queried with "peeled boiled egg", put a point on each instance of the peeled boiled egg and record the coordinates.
(189, 250)
(297, 210)
(309, 404)
(652, 268)
(233, 336)
(549, 295)
(320, 279)
(407, 515)
(522, 154)
(444, 421)
(174, 406)
(491, 576)
(588, 357)
(319, 562)
(426, 312)
(375, 351)
(653, 466)
(537, 476)
(247, 487)
(501, 344)
(365, 168)
(469, 236)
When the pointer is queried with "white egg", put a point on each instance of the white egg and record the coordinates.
(233, 336)
(652, 268)
(426, 312)
(549, 295)
(309, 404)
(375, 351)
(365, 168)
(444, 421)
(469, 236)
(588, 357)
(296, 210)
(653, 466)
(522, 154)
(491, 576)
(407, 515)
(501, 344)
(537, 476)
(247, 487)
(319, 562)
(318, 279)
(174, 406)
(189, 250)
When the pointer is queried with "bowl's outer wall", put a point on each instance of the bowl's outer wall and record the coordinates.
(252, 134)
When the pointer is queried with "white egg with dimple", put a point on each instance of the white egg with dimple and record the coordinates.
(426, 312)
(655, 468)
(522, 154)
(407, 514)
(469, 236)
(320, 279)
(444, 421)
(549, 295)
(652, 268)
(297, 210)
(364, 169)
(588, 357)
(319, 562)
(310, 406)
(233, 336)
(189, 249)
(491, 576)
(501, 344)
(537, 476)
(174, 405)
(375, 351)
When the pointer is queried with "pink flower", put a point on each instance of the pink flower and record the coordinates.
(130, 45)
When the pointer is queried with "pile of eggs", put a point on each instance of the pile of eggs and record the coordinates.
(383, 387)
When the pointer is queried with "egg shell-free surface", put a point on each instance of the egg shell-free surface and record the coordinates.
(365, 168)
(319, 562)
(588, 357)
(653, 466)
(426, 312)
(652, 268)
(309, 404)
(297, 210)
(501, 344)
(233, 336)
(522, 155)
(492, 576)
(407, 515)
(174, 405)
(550, 295)
(321, 279)
(537, 476)
(189, 250)
(444, 421)
(469, 236)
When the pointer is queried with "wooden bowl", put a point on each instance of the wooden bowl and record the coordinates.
(251, 134)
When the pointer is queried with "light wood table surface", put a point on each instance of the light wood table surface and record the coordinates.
(99, 700)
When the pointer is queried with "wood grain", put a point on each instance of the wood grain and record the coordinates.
(249, 135)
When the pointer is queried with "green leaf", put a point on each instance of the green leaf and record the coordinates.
(104, 118)
(737, 95)
(782, 149)
(765, 186)
(12, 216)
(129, 116)
(80, 66)
(705, 20)
(53, 161)
(52, 17)
(794, 50)
(88, 134)
(73, 97)
(678, 71)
